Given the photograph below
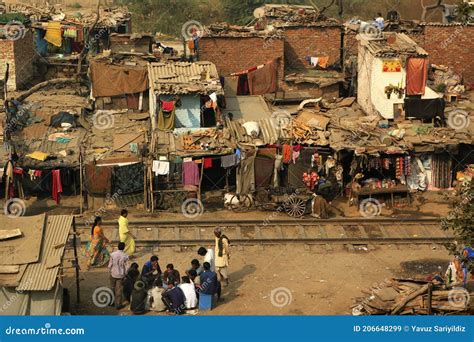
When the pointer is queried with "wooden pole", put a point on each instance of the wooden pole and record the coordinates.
(430, 298)
(76, 261)
(200, 180)
(81, 199)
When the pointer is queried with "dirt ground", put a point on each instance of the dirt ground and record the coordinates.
(286, 279)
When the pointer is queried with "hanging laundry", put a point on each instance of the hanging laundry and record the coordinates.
(287, 153)
(323, 62)
(57, 185)
(229, 160)
(70, 32)
(53, 33)
(166, 120)
(314, 61)
(160, 168)
(417, 74)
(207, 163)
(190, 173)
(310, 179)
(167, 106)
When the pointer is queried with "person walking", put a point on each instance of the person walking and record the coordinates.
(124, 233)
(118, 266)
(96, 249)
(222, 256)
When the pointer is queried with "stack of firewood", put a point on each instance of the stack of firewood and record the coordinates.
(412, 297)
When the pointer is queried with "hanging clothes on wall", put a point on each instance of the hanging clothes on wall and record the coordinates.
(160, 167)
(287, 154)
(190, 173)
(166, 116)
(57, 185)
(264, 79)
(207, 164)
(230, 160)
(208, 117)
(417, 74)
(243, 85)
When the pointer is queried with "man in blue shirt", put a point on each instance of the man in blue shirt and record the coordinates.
(151, 271)
(174, 298)
(209, 283)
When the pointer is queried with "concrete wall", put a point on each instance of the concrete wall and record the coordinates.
(19, 54)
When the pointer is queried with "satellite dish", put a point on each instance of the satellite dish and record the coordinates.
(259, 12)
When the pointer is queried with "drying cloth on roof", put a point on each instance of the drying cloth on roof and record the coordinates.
(264, 80)
(128, 178)
(38, 155)
(166, 120)
(113, 80)
(190, 173)
(323, 62)
(417, 74)
(53, 33)
(98, 179)
(62, 117)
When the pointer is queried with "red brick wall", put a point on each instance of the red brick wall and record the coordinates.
(236, 54)
(451, 46)
(310, 41)
(6, 56)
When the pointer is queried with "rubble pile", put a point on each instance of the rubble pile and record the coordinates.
(412, 297)
(444, 79)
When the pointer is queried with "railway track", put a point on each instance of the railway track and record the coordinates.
(346, 231)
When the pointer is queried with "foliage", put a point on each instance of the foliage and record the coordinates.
(464, 12)
(460, 220)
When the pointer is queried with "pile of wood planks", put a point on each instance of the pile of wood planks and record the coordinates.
(412, 297)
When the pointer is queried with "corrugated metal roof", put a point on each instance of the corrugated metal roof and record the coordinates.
(184, 78)
(401, 45)
(270, 132)
(38, 277)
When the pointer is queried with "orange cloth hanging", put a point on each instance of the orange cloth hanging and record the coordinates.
(417, 74)
(287, 154)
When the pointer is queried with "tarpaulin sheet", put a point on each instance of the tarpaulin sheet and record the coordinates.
(129, 178)
(264, 80)
(113, 80)
(98, 179)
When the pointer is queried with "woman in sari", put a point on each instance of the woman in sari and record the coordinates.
(125, 235)
(96, 249)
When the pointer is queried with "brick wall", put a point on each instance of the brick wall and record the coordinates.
(310, 41)
(19, 54)
(452, 46)
(236, 54)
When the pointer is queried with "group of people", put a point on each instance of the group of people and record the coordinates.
(152, 289)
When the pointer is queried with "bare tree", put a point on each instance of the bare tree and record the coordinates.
(430, 8)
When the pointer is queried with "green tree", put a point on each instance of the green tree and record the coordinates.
(460, 219)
